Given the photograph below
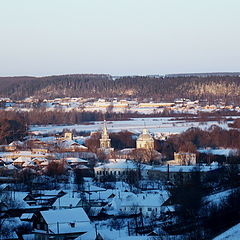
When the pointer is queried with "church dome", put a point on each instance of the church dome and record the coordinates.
(145, 135)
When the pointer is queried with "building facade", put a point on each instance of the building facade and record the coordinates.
(145, 140)
(105, 141)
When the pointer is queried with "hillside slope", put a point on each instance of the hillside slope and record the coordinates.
(168, 88)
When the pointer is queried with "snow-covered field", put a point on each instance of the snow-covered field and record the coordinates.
(226, 152)
(155, 125)
(231, 234)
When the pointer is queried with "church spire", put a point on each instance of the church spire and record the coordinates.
(105, 141)
(104, 132)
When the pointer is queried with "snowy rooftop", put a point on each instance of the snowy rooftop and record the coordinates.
(231, 234)
(128, 164)
(67, 220)
(68, 200)
(121, 164)
(75, 160)
(183, 168)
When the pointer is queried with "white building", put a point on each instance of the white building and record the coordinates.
(120, 168)
(145, 140)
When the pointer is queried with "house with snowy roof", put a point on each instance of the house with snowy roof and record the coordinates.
(74, 161)
(13, 145)
(25, 154)
(69, 200)
(21, 160)
(130, 203)
(61, 224)
(71, 145)
(178, 172)
(120, 168)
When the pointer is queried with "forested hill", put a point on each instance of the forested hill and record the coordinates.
(168, 88)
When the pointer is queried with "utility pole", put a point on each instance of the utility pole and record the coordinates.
(129, 229)
(96, 230)
(58, 227)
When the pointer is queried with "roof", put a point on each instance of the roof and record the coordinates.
(66, 215)
(22, 159)
(103, 195)
(18, 199)
(145, 136)
(76, 160)
(92, 188)
(67, 200)
(107, 234)
(141, 200)
(67, 220)
(121, 164)
(185, 168)
(27, 216)
(231, 234)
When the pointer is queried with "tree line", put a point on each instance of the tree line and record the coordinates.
(168, 88)
(195, 138)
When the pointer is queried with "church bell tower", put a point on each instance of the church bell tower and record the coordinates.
(105, 141)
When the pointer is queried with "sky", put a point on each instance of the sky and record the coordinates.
(118, 37)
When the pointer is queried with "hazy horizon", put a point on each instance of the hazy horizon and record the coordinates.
(127, 37)
(129, 75)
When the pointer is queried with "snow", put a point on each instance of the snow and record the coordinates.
(10, 224)
(183, 168)
(28, 237)
(222, 151)
(68, 200)
(18, 197)
(75, 160)
(217, 198)
(121, 164)
(103, 195)
(59, 220)
(231, 234)
(26, 216)
(107, 234)
(155, 125)
(92, 188)
(128, 202)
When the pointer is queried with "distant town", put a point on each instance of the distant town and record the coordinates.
(181, 105)
(119, 120)
(101, 184)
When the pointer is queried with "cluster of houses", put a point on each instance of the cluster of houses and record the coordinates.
(91, 104)
(73, 211)
(72, 214)
(40, 153)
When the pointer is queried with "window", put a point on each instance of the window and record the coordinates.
(72, 224)
(149, 209)
(119, 172)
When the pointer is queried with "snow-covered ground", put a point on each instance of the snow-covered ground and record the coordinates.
(221, 151)
(231, 234)
(155, 125)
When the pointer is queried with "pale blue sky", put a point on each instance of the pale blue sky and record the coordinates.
(120, 37)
